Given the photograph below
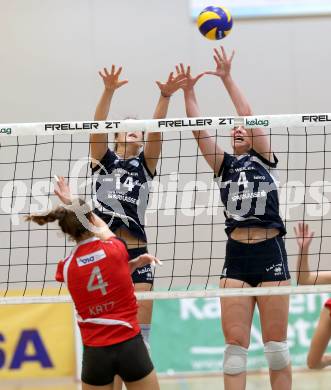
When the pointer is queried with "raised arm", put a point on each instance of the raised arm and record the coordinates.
(304, 237)
(208, 146)
(99, 142)
(153, 142)
(260, 140)
(143, 260)
(62, 191)
(317, 358)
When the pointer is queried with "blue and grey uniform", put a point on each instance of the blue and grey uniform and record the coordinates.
(120, 195)
(249, 191)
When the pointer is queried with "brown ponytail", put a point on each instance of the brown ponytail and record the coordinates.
(68, 221)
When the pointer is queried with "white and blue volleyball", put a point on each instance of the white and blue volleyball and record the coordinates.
(215, 22)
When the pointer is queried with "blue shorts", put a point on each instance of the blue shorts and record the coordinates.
(265, 261)
(144, 274)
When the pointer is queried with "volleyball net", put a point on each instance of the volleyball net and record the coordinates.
(185, 217)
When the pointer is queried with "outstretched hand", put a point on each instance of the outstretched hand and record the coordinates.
(111, 80)
(223, 63)
(62, 190)
(143, 260)
(190, 81)
(171, 85)
(304, 236)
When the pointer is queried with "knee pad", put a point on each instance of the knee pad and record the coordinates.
(235, 359)
(277, 354)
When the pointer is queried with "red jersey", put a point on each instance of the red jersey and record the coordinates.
(98, 278)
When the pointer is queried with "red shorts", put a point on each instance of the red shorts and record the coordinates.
(328, 305)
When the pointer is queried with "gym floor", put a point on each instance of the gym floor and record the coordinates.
(306, 380)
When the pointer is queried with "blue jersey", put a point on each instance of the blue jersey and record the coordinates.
(120, 192)
(249, 192)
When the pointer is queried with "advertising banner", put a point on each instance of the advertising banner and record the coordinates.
(187, 336)
(36, 341)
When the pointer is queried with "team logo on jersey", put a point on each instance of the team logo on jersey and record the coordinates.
(91, 258)
(135, 163)
(143, 270)
(276, 269)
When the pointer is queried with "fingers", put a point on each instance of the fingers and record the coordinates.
(171, 75)
(217, 56)
(295, 231)
(180, 70)
(123, 82)
(302, 231)
(306, 229)
(225, 58)
(222, 58)
(217, 61)
(113, 72)
(179, 77)
(149, 259)
(308, 233)
(106, 71)
(155, 260)
(60, 181)
(118, 71)
(299, 230)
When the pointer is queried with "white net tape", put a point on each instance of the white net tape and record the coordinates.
(176, 124)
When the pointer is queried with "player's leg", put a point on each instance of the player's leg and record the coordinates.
(143, 281)
(274, 319)
(145, 310)
(236, 318)
(98, 368)
(118, 383)
(135, 366)
(322, 335)
(150, 382)
(85, 386)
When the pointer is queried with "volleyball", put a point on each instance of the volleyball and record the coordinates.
(215, 22)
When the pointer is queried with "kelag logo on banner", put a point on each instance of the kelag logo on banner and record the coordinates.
(187, 336)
